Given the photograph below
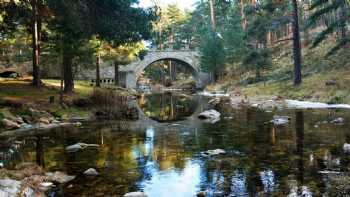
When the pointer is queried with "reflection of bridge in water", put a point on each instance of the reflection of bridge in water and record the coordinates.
(169, 107)
(132, 72)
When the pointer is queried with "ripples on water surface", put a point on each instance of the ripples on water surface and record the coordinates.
(164, 159)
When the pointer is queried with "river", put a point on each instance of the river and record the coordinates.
(162, 153)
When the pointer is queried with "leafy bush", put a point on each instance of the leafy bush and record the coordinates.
(336, 100)
(111, 106)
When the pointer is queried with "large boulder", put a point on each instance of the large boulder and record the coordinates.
(37, 114)
(10, 188)
(209, 114)
(9, 124)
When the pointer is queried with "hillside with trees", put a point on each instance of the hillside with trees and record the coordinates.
(265, 47)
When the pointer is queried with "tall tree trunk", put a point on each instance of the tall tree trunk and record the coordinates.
(35, 43)
(161, 39)
(296, 45)
(243, 17)
(212, 15)
(68, 71)
(172, 71)
(62, 74)
(343, 25)
(98, 78)
(116, 73)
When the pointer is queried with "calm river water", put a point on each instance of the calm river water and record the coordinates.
(161, 154)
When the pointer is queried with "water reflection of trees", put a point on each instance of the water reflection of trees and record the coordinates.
(261, 158)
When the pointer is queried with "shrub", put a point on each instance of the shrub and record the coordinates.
(111, 106)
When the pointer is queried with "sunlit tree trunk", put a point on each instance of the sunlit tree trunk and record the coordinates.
(35, 43)
(212, 15)
(296, 45)
(243, 17)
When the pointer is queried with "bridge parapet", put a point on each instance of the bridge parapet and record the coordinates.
(189, 57)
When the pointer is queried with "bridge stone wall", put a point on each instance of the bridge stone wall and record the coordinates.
(130, 73)
(190, 58)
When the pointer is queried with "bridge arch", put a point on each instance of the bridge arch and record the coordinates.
(189, 58)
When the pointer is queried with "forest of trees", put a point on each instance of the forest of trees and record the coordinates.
(229, 32)
(71, 32)
(226, 32)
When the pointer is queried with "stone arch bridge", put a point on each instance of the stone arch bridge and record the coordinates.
(130, 73)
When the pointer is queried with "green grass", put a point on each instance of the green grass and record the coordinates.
(23, 92)
(81, 88)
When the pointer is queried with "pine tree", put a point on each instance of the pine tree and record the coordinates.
(335, 15)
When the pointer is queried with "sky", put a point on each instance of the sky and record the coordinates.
(183, 4)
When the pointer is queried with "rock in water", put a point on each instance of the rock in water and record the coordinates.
(76, 147)
(91, 172)
(44, 120)
(9, 124)
(45, 186)
(135, 194)
(59, 177)
(79, 146)
(339, 120)
(280, 120)
(215, 101)
(9, 187)
(214, 152)
(209, 114)
(346, 148)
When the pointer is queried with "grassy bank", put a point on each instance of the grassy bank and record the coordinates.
(325, 78)
(20, 92)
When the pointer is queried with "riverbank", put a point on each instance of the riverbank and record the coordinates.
(23, 107)
(325, 78)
